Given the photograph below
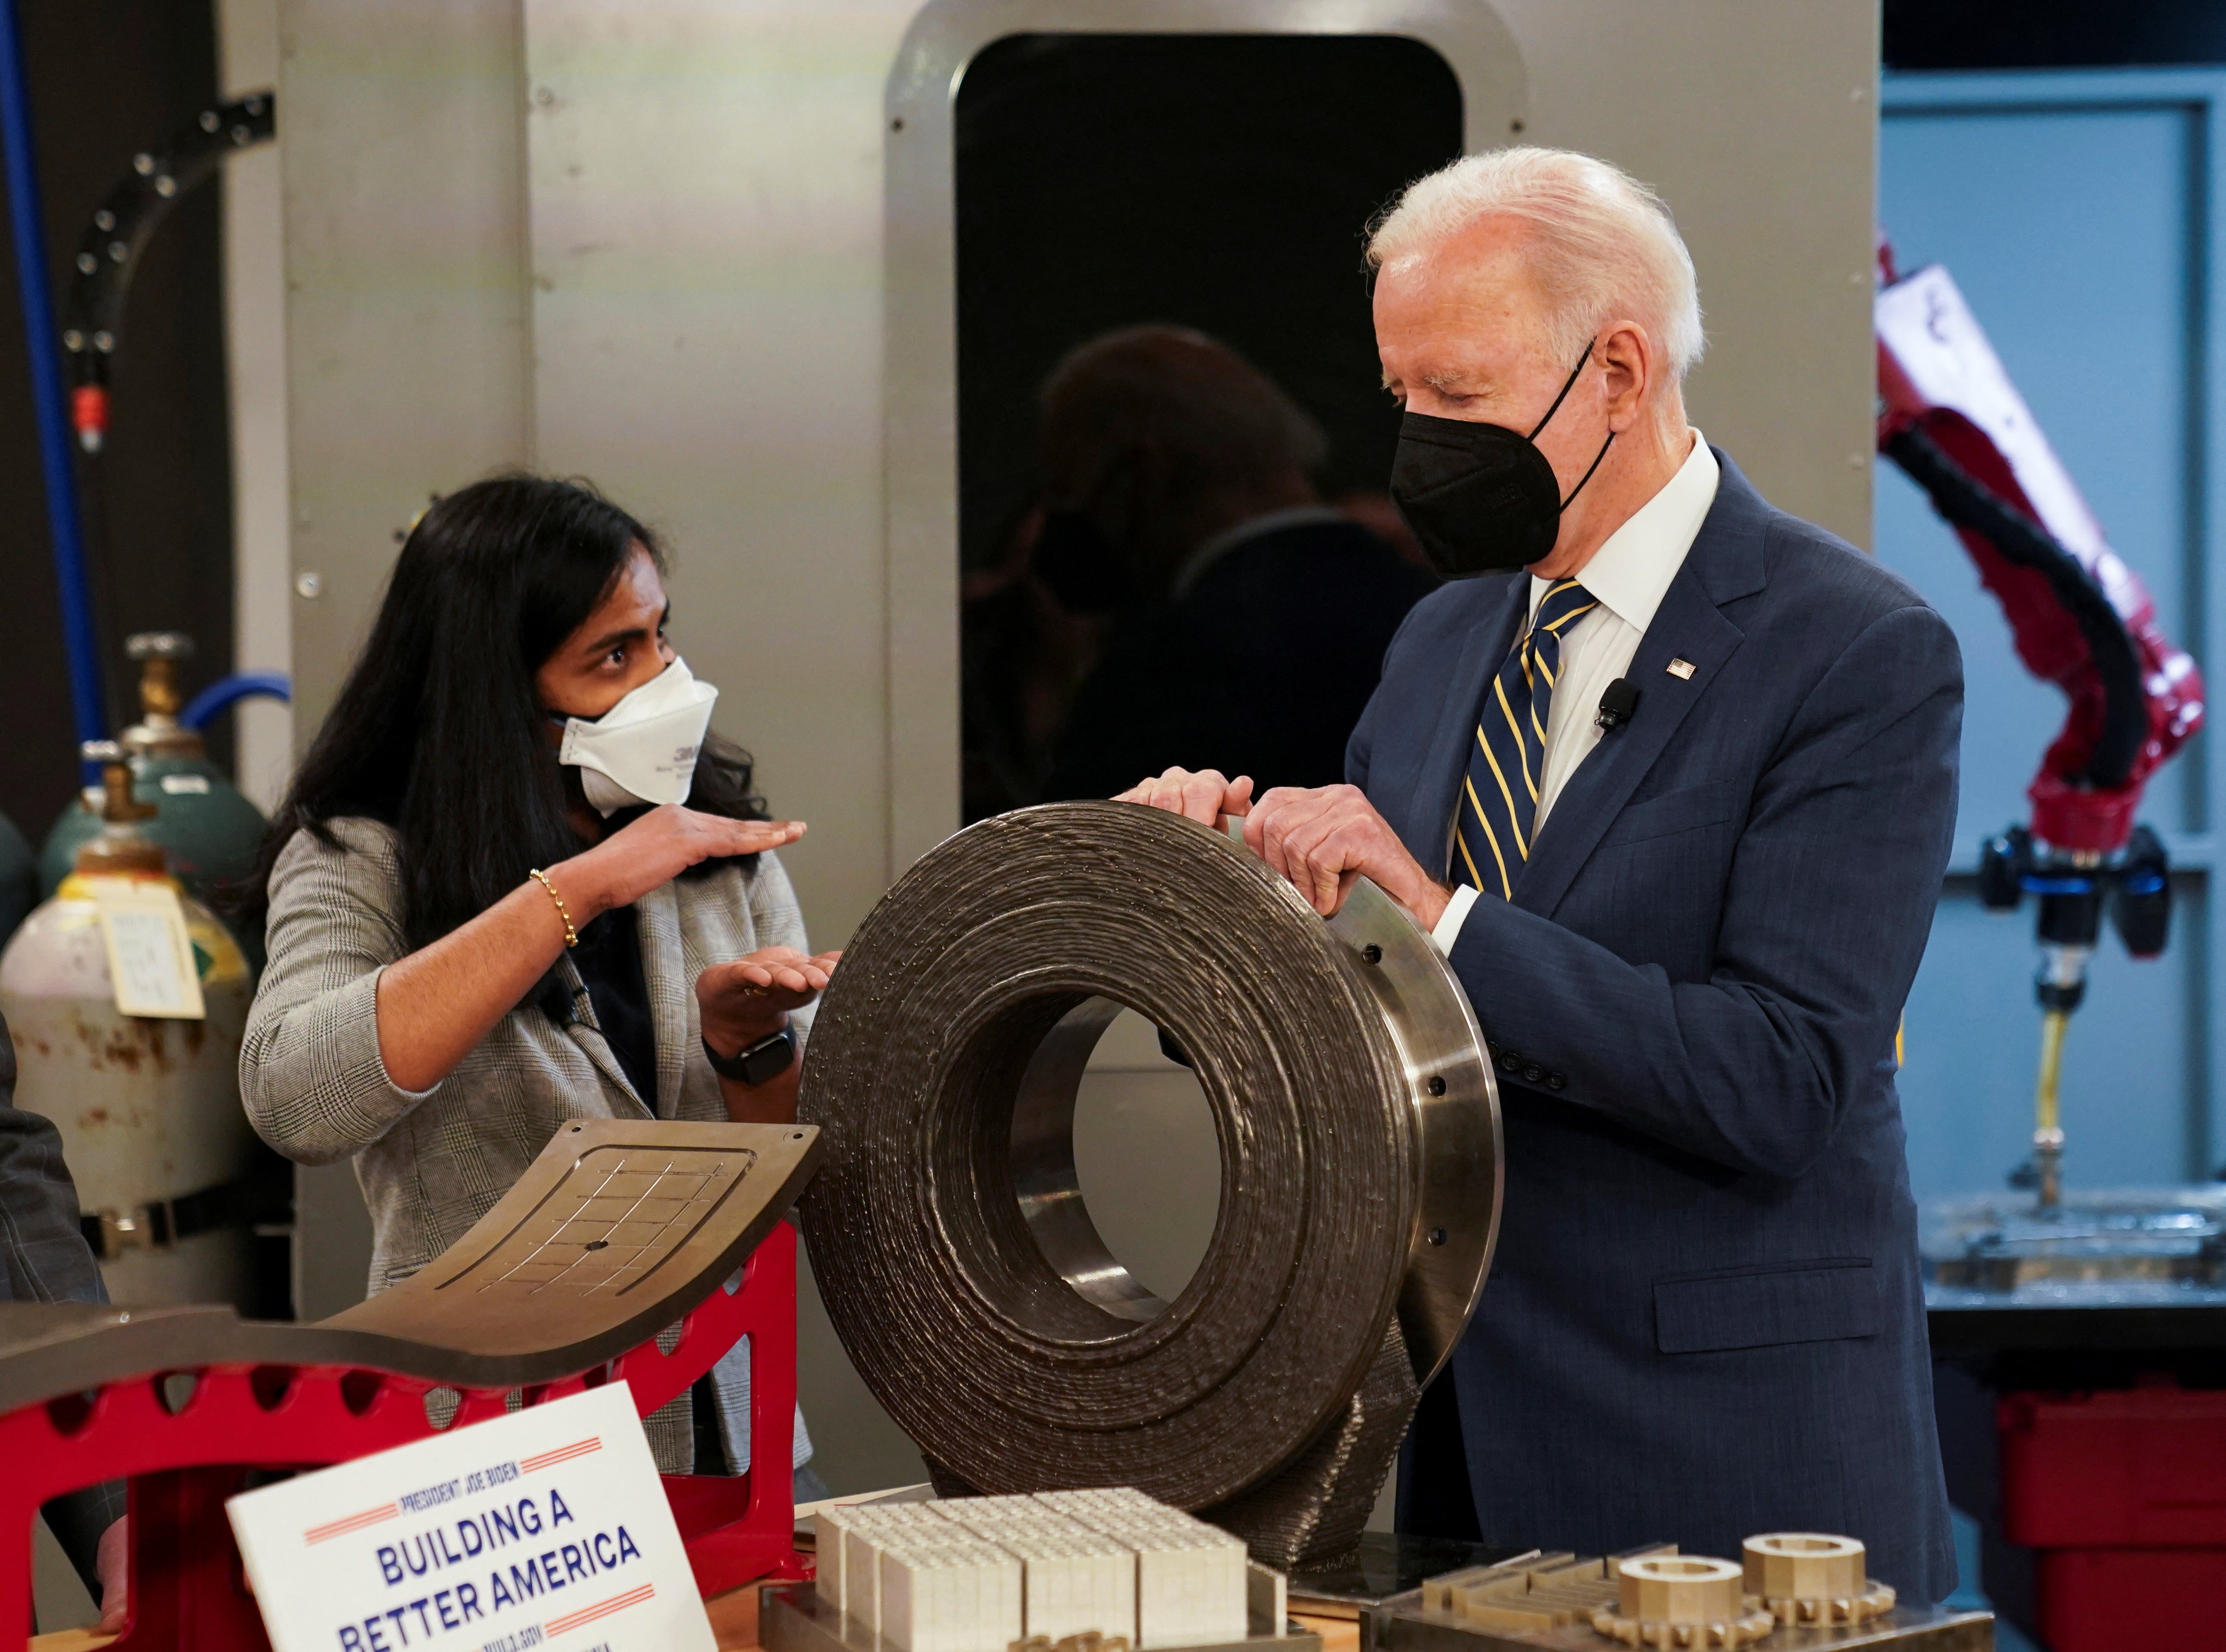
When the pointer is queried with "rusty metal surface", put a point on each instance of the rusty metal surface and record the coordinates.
(617, 1229)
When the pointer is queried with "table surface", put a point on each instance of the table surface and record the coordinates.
(734, 1620)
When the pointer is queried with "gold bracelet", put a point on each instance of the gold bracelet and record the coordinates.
(571, 934)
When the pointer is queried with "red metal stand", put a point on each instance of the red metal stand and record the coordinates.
(187, 1589)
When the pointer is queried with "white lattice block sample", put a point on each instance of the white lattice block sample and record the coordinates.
(949, 1594)
(866, 1530)
(829, 1528)
(1074, 1581)
(969, 1510)
(1191, 1580)
(1111, 1499)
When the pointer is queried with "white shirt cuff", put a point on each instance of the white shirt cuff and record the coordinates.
(1450, 921)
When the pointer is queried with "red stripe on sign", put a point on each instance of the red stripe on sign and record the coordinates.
(352, 1523)
(559, 1454)
(589, 1614)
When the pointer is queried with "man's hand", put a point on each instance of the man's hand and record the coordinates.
(1204, 796)
(1323, 837)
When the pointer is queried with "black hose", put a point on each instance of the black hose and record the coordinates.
(1967, 503)
(92, 317)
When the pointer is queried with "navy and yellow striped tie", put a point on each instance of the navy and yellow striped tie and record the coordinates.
(1507, 765)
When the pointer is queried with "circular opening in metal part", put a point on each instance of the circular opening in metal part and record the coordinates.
(1116, 1160)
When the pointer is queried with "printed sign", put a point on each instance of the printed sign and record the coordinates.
(151, 952)
(544, 1529)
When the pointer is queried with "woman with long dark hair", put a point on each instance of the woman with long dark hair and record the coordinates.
(517, 880)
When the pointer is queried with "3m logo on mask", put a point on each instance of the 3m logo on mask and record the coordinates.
(643, 748)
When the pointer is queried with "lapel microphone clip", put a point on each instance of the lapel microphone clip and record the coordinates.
(1616, 702)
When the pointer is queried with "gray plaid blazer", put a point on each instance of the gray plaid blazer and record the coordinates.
(432, 1162)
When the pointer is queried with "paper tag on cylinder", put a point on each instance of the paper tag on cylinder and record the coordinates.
(151, 952)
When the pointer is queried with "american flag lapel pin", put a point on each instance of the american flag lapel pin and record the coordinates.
(1681, 668)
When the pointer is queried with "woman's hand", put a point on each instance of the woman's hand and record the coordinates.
(434, 1005)
(112, 1563)
(652, 851)
(748, 1000)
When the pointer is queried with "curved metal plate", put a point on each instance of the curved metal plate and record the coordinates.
(615, 1231)
(1456, 1102)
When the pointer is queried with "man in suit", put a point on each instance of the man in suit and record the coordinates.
(1249, 619)
(44, 1258)
(1687, 937)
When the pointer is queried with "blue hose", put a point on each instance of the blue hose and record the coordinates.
(220, 697)
(87, 697)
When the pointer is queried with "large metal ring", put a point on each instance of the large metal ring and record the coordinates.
(1356, 1113)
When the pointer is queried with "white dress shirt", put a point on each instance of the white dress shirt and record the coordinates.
(1628, 576)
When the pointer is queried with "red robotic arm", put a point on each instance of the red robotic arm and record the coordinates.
(2081, 620)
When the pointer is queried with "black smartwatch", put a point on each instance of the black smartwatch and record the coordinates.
(759, 1063)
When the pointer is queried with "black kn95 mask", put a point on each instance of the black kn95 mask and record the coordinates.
(1481, 498)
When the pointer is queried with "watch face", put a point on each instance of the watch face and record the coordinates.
(766, 1060)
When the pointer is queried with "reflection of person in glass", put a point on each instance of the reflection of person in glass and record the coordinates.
(1251, 618)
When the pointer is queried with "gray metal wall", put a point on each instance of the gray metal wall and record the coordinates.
(642, 240)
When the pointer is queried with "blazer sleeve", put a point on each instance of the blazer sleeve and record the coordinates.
(310, 1072)
(1824, 919)
(43, 1256)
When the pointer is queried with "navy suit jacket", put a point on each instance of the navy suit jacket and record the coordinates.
(1706, 1319)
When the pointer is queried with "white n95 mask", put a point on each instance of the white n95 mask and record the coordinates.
(643, 749)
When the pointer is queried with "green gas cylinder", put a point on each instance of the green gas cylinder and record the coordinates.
(210, 830)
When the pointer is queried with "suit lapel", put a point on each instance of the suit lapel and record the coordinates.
(1687, 627)
(588, 1036)
(1724, 563)
(1427, 828)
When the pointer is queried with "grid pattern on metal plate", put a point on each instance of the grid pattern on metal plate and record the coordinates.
(618, 1216)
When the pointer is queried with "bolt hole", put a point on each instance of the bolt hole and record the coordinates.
(1437, 1086)
(269, 1383)
(358, 1389)
(897, 125)
(1372, 952)
(1437, 1235)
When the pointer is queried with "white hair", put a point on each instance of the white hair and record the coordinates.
(1601, 242)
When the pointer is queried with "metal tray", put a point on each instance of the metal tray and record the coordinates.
(1903, 1630)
